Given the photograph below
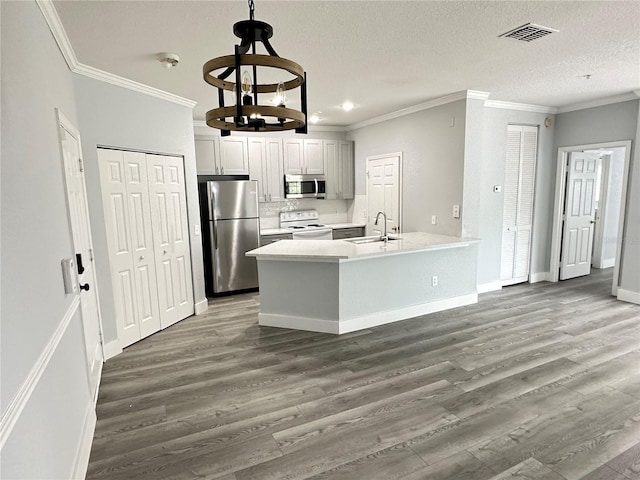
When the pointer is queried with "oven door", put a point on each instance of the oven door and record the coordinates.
(315, 234)
(304, 186)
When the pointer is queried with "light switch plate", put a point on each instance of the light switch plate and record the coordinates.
(434, 219)
(456, 211)
(69, 276)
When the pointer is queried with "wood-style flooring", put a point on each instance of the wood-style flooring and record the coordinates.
(535, 381)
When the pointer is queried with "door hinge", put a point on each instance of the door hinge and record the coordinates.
(80, 164)
(91, 254)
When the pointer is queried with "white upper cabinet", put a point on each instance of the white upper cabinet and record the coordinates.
(234, 159)
(222, 156)
(303, 157)
(265, 166)
(208, 156)
(338, 157)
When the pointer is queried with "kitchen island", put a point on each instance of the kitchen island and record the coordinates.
(340, 286)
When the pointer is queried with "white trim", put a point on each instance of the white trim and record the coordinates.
(111, 349)
(86, 440)
(201, 307)
(607, 263)
(60, 35)
(556, 233)
(107, 77)
(539, 277)
(22, 396)
(365, 321)
(436, 102)
(489, 287)
(628, 296)
(477, 95)
(625, 97)
(523, 107)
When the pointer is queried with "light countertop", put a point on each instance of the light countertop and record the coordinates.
(343, 250)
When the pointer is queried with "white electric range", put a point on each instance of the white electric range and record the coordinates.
(304, 225)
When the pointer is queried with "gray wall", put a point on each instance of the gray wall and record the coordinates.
(433, 163)
(609, 123)
(35, 237)
(116, 117)
(494, 147)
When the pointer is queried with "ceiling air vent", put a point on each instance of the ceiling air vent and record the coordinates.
(528, 32)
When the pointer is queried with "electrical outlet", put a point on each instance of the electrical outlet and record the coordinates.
(434, 219)
(456, 211)
(434, 281)
(497, 188)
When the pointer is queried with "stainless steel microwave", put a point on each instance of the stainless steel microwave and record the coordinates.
(304, 186)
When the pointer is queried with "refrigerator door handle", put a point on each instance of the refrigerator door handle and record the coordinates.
(213, 219)
(215, 235)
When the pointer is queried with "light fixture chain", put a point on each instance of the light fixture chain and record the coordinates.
(251, 9)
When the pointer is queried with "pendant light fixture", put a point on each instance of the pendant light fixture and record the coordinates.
(248, 114)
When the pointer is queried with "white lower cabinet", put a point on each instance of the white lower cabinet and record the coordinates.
(266, 166)
(144, 201)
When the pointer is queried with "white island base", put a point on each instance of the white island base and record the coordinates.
(335, 286)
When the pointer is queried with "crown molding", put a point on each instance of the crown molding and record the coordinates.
(436, 102)
(522, 107)
(60, 35)
(625, 97)
(477, 95)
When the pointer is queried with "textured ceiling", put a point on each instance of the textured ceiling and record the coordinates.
(381, 55)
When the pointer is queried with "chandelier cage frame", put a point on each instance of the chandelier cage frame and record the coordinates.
(247, 114)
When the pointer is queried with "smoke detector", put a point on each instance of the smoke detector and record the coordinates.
(528, 32)
(169, 60)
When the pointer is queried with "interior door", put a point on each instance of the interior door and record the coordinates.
(577, 231)
(82, 244)
(383, 193)
(170, 237)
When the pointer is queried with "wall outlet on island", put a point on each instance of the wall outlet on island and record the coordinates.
(434, 281)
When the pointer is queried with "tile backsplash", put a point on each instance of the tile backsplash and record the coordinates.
(329, 211)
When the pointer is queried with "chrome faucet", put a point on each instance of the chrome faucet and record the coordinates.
(384, 237)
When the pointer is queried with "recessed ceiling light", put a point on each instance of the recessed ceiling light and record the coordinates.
(314, 118)
(347, 106)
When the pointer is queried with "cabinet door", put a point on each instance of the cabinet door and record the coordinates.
(233, 156)
(257, 166)
(346, 181)
(273, 173)
(293, 156)
(332, 171)
(313, 157)
(207, 156)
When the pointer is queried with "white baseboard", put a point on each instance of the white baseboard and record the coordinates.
(489, 287)
(365, 321)
(540, 277)
(22, 396)
(628, 296)
(201, 307)
(84, 450)
(606, 263)
(111, 349)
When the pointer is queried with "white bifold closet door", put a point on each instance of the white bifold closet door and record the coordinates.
(519, 184)
(144, 203)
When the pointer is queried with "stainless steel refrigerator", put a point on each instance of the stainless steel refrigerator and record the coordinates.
(230, 229)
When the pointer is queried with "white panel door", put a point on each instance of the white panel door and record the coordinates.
(170, 237)
(313, 157)
(519, 184)
(116, 213)
(234, 159)
(383, 193)
(141, 235)
(577, 232)
(83, 247)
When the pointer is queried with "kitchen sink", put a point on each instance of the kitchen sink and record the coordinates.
(372, 239)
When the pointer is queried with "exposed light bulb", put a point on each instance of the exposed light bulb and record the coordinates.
(280, 97)
(246, 88)
(347, 106)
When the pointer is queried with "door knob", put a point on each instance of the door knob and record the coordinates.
(592, 221)
(164, 251)
(141, 257)
(84, 287)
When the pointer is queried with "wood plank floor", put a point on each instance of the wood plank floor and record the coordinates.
(534, 382)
